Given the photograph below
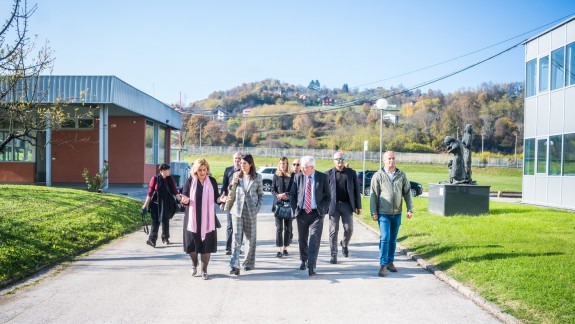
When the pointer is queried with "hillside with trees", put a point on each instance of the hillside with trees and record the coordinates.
(284, 115)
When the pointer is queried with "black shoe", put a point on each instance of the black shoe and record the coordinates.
(344, 249)
(311, 272)
(279, 255)
(333, 259)
(285, 253)
(235, 271)
(303, 265)
(248, 268)
(228, 252)
(166, 241)
(150, 243)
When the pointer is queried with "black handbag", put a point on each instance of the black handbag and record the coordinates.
(283, 210)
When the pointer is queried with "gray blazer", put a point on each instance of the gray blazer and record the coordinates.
(252, 198)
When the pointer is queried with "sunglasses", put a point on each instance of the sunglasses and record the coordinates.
(339, 159)
(296, 164)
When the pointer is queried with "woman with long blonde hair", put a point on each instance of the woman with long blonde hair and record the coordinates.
(281, 185)
(201, 197)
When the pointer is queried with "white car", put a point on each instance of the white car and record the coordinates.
(267, 176)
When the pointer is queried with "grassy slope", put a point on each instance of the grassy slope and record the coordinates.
(520, 257)
(500, 179)
(41, 226)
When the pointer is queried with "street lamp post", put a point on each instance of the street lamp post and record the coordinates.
(381, 104)
(482, 143)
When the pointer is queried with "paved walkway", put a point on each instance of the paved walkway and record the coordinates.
(130, 282)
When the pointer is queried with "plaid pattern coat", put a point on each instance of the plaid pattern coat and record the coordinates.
(252, 198)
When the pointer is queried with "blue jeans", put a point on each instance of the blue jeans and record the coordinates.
(388, 229)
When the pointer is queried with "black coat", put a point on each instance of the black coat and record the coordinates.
(227, 179)
(353, 190)
(280, 185)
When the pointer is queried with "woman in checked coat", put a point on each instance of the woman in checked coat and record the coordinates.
(249, 196)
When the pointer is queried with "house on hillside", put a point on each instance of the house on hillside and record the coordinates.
(549, 126)
(129, 129)
(326, 101)
(219, 114)
(247, 111)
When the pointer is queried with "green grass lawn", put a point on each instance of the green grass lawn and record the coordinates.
(520, 257)
(500, 179)
(42, 226)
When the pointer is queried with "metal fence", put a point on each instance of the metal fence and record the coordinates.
(424, 158)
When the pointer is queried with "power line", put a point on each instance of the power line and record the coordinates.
(349, 104)
(464, 55)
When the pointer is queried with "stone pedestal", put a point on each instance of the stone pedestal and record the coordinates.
(448, 199)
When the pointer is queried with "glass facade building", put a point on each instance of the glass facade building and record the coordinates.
(549, 148)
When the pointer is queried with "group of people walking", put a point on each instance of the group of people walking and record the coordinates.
(311, 195)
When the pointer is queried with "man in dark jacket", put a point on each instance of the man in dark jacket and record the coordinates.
(345, 200)
(309, 199)
(228, 177)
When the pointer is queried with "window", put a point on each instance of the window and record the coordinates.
(162, 145)
(78, 122)
(544, 74)
(529, 157)
(17, 150)
(558, 68)
(530, 77)
(149, 142)
(569, 154)
(570, 64)
(555, 149)
(542, 155)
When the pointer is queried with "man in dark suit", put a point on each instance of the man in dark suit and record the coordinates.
(228, 177)
(309, 198)
(346, 199)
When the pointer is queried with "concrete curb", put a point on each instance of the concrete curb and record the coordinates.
(459, 287)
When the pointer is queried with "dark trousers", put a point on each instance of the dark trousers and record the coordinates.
(156, 225)
(344, 211)
(230, 232)
(309, 225)
(284, 231)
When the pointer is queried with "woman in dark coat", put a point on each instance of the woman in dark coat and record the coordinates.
(200, 195)
(160, 201)
(281, 185)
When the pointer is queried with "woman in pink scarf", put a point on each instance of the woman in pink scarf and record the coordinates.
(200, 197)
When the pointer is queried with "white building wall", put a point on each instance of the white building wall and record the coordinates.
(549, 113)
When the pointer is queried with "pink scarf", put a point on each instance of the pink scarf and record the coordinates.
(208, 209)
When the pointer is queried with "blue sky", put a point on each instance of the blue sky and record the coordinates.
(165, 48)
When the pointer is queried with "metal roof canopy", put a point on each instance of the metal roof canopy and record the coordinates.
(109, 90)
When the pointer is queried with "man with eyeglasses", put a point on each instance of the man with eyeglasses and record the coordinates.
(309, 200)
(296, 166)
(346, 199)
(228, 177)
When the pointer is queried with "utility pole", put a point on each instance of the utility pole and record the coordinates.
(244, 137)
(516, 164)
(481, 143)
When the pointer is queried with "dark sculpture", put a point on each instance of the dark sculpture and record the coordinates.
(456, 167)
(466, 141)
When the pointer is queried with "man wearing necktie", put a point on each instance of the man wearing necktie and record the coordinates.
(309, 198)
(228, 176)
